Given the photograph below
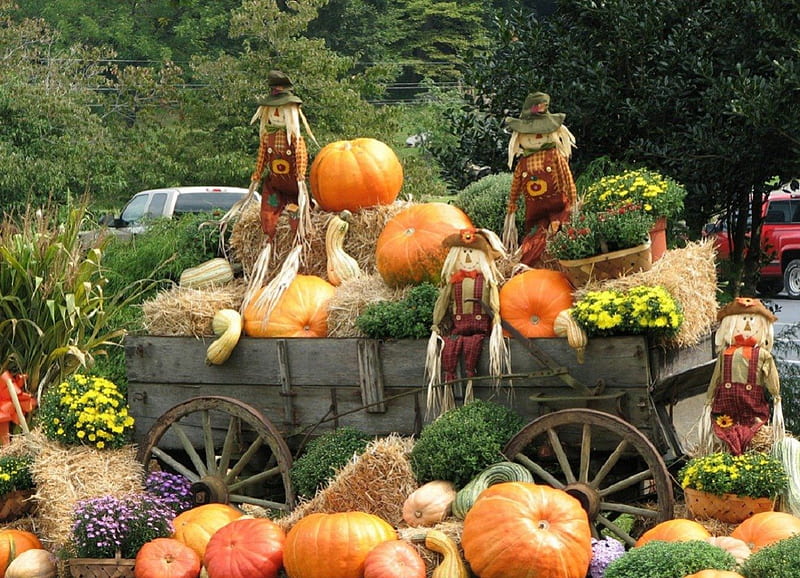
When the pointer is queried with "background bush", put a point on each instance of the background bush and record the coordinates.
(485, 202)
(409, 318)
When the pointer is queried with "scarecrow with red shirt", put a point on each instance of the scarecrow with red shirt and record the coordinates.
(541, 146)
(468, 311)
(737, 405)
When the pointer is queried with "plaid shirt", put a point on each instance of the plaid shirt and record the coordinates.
(274, 146)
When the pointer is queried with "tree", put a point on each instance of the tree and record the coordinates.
(705, 93)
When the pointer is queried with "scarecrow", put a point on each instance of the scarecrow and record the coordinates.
(541, 146)
(737, 405)
(468, 310)
(281, 174)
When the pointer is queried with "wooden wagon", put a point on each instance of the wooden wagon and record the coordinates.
(602, 430)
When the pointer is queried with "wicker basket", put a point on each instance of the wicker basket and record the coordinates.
(101, 567)
(728, 508)
(607, 265)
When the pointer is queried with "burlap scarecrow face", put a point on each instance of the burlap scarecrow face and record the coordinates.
(745, 320)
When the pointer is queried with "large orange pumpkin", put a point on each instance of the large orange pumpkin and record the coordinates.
(325, 545)
(166, 558)
(525, 529)
(13, 543)
(355, 174)
(245, 548)
(765, 528)
(302, 310)
(409, 249)
(531, 301)
(196, 526)
(677, 530)
(394, 559)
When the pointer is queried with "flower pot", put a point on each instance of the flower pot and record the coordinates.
(658, 239)
(728, 508)
(101, 567)
(607, 265)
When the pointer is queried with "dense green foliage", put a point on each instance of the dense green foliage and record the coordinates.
(55, 313)
(669, 560)
(324, 456)
(485, 203)
(462, 442)
(407, 318)
(779, 559)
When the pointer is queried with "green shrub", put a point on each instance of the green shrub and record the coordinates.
(323, 456)
(163, 251)
(409, 318)
(463, 442)
(779, 559)
(659, 559)
(485, 202)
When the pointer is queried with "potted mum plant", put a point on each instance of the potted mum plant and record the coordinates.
(658, 196)
(603, 245)
(732, 488)
(108, 531)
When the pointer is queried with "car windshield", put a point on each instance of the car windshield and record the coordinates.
(134, 210)
(205, 202)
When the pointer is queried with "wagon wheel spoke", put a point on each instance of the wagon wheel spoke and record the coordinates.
(620, 474)
(230, 432)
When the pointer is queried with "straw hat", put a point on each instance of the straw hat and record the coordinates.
(280, 90)
(535, 117)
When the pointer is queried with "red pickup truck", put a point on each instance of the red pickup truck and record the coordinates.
(780, 238)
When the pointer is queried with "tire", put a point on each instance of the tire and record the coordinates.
(770, 287)
(791, 279)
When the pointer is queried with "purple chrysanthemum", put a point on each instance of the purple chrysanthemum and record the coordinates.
(604, 552)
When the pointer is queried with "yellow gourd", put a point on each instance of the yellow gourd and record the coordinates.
(452, 565)
(216, 271)
(566, 326)
(429, 504)
(227, 326)
(341, 266)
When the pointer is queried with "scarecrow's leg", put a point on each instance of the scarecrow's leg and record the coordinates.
(451, 353)
(473, 345)
(272, 203)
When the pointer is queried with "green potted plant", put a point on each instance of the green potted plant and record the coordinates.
(732, 488)
(603, 245)
(657, 195)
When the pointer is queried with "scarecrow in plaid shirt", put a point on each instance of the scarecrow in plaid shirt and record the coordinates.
(468, 310)
(282, 155)
(541, 146)
(737, 405)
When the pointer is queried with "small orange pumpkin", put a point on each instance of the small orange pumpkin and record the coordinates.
(354, 174)
(429, 504)
(765, 528)
(302, 310)
(409, 249)
(196, 526)
(531, 301)
(166, 558)
(324, 545)
(245, 548)
(13, 543)
(677, 530)
(394, 559)
(525, 529)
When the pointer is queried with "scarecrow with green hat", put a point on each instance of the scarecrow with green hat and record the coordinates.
(541, 146)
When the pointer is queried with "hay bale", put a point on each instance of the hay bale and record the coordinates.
(690, 276)
(352, 298)
(187, 311)
(247, 240)
(65, 475)
(377, 482)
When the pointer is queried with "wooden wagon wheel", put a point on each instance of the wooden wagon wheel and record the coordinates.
(561, 449)
(231, 436)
